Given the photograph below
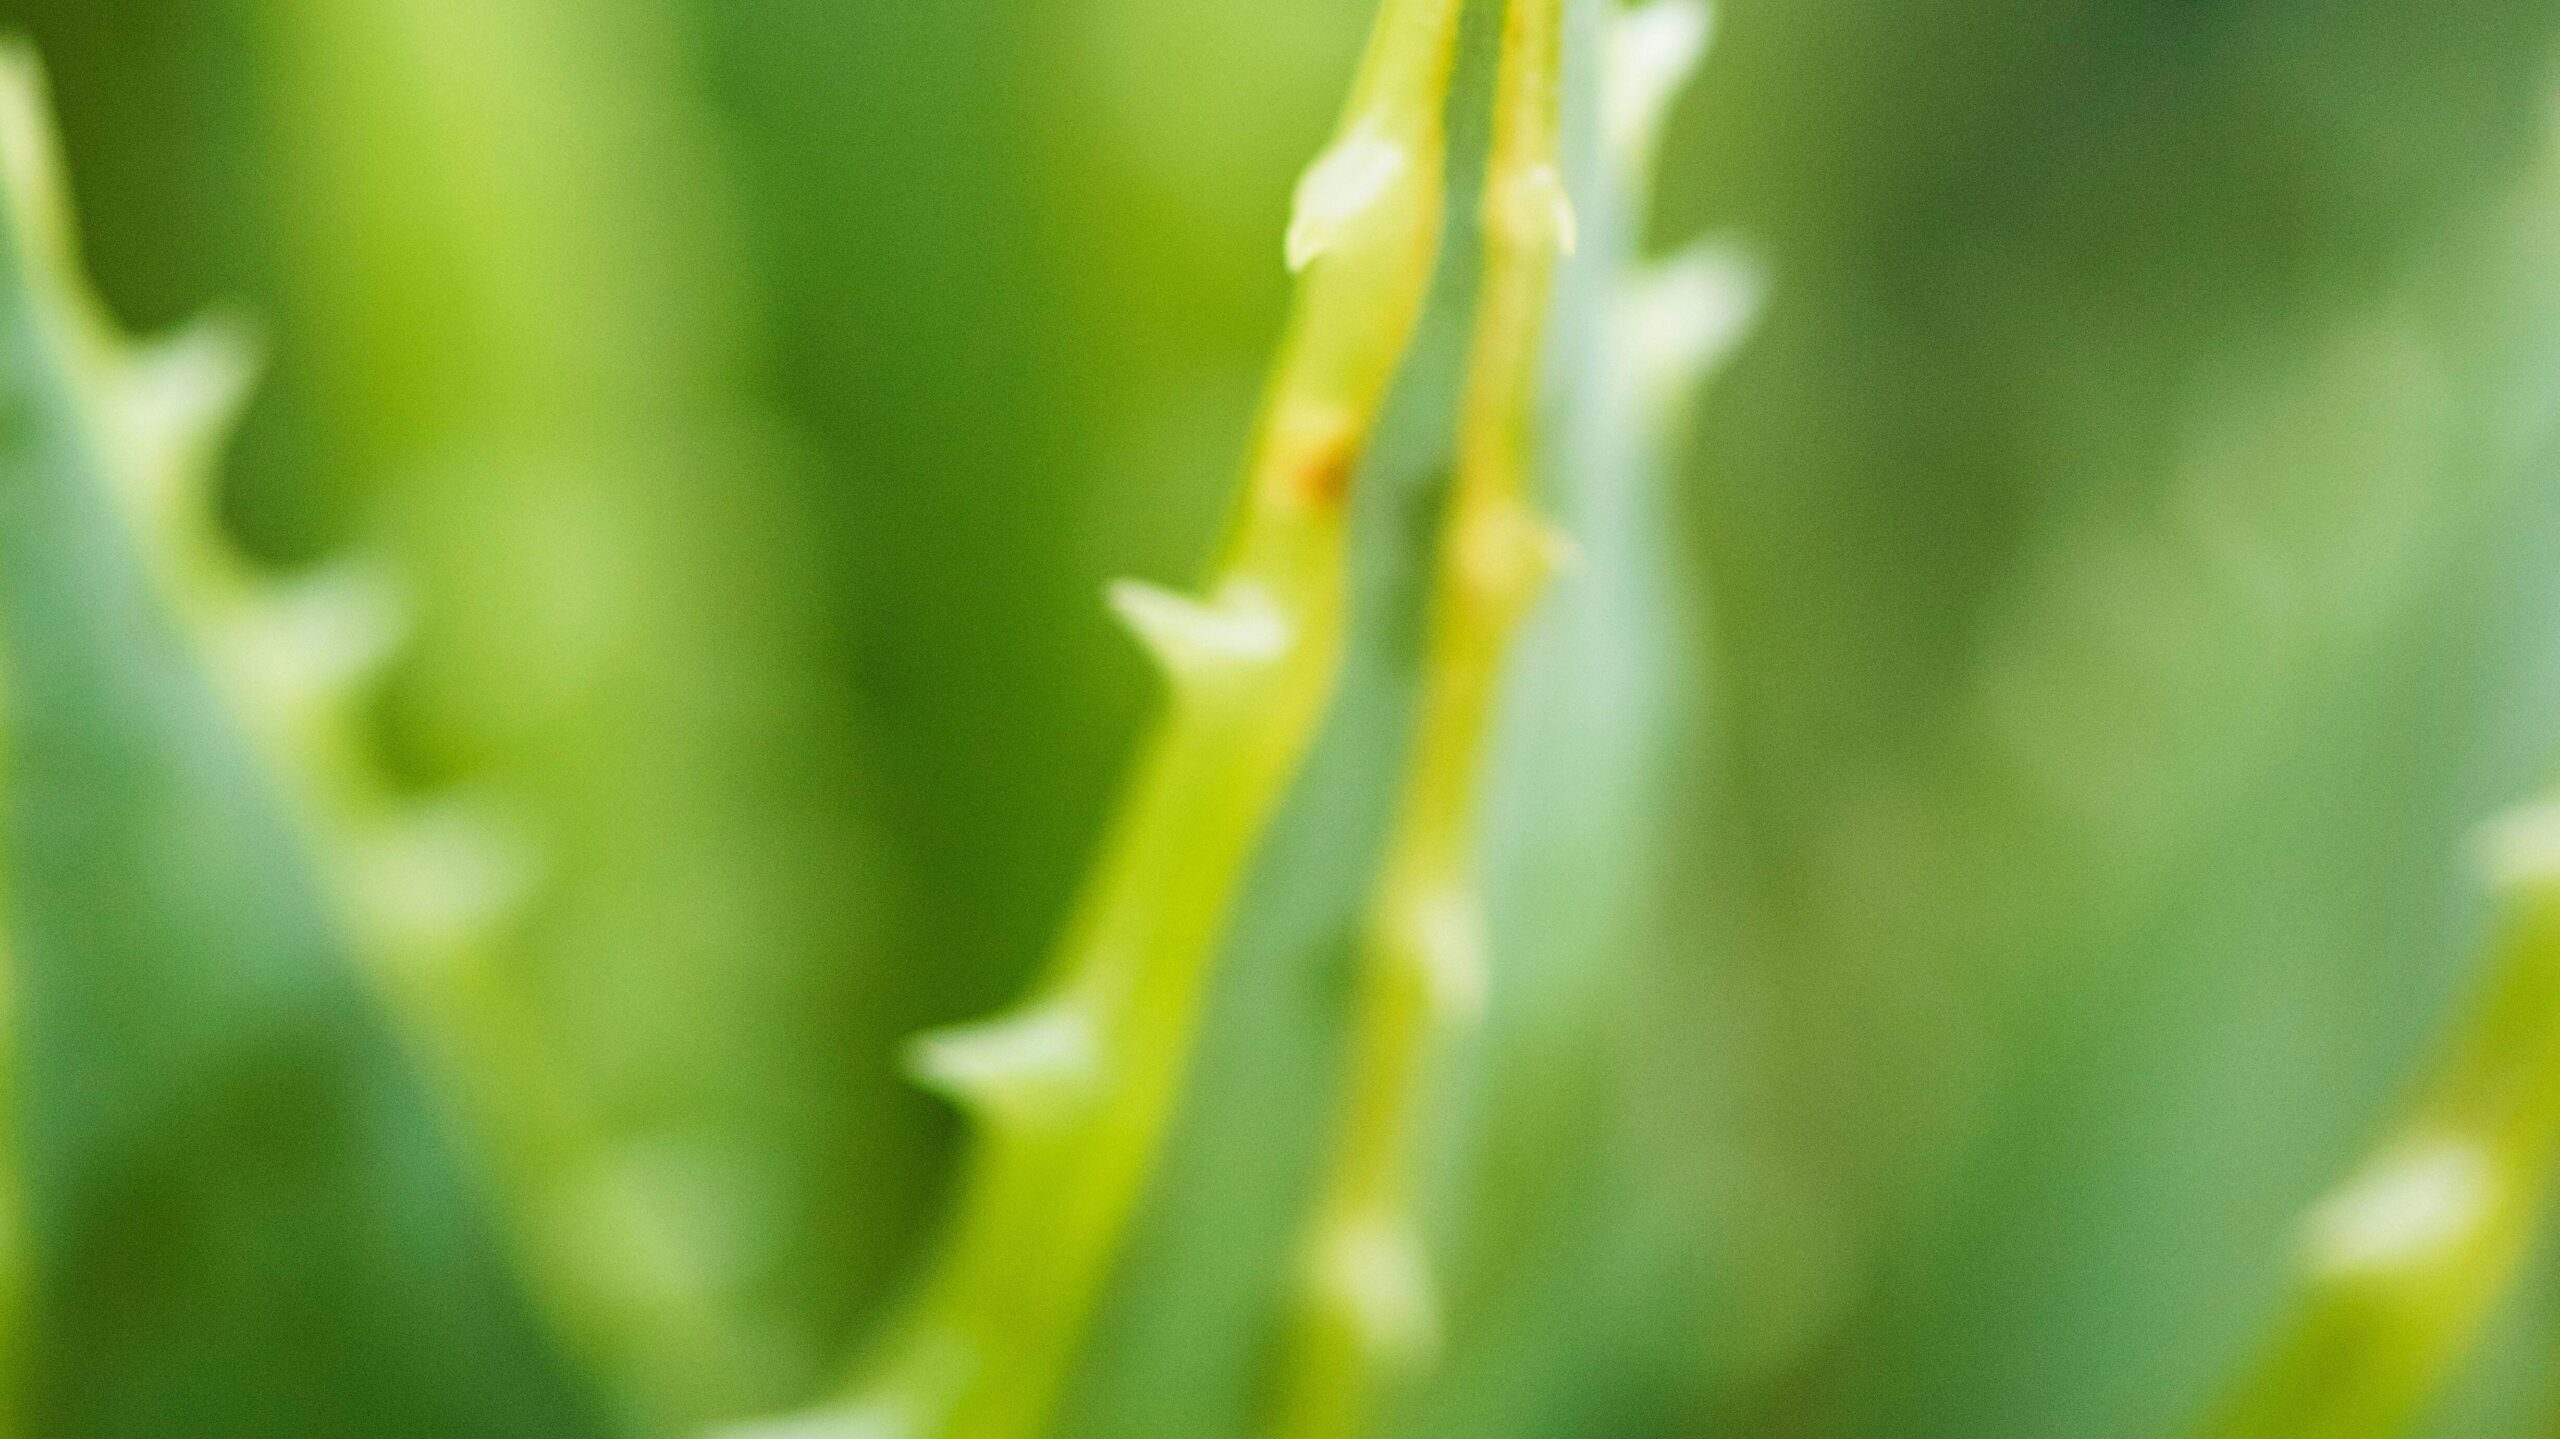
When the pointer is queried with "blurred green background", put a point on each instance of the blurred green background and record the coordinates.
(2113, 584)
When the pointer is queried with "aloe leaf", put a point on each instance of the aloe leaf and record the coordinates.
(2399, 1267)
(1189, 1339)
(1072, 1091)
(1185, 1333)
(1368, 1312)
(244, 1216)
(1568, 1275)
(2116, 869)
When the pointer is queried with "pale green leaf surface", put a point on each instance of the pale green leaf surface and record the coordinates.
(245, 1218)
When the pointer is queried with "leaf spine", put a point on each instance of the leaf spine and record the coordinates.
(438, 878)
(2522, 847)
(173, 405)
(1678, 318)
(1369, 1317)
(1239, 630)
(1372, 1271)
(312, 644)
(1533, 208)
(31, 166)
(1444, 937)
(2411, 1254)
(1041, 1062)
(1654, 50)
(1343, 185)
(2407, 1209)
(1506, 552)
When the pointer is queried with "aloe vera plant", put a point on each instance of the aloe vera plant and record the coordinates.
(1880, 898)
(430, 891)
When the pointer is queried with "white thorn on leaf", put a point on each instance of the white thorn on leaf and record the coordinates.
(1445, 930)
(1241, 627)
(1653, 51)
(1373, 1269)
(2405, 1209)
(447, 872)
(177, 400)
(31, 166)
(321, 636)
(1683, 315)
(167, 404)
(1534, 209)
(1025, 1063)
(1507, 550)
(1344, 184)
(2523, 847)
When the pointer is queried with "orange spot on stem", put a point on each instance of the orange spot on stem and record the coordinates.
(1314, 456)
(1322, 478)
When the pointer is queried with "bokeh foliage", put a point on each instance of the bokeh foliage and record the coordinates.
(2107, 593)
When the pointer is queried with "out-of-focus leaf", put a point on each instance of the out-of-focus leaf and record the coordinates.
(1576, 1283)
(2125, 547)
(922, 338)
(2401, 1263)
(245, 1218)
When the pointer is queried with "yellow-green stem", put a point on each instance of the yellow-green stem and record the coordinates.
(1072, 1091)
(2403, 1262)
(1367, 1312)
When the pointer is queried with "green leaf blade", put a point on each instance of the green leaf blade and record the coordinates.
(244, 1218)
